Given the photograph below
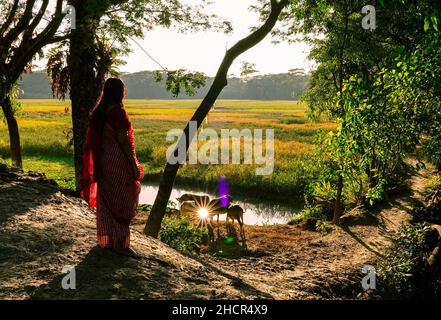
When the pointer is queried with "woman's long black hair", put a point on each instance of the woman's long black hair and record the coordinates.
(113, 94)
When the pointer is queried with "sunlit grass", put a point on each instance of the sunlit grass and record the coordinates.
(44, 143)
(40, 123)
(58, 168)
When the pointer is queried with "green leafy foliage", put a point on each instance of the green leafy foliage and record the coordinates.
(404, 265)
(387, 118)
(57, 70)
(433, 184)
(247, 69)
(179, 234)
(376, 193)
(309, 211)
(384, 92)
(171, 204)
(176, 80)
(322, 226)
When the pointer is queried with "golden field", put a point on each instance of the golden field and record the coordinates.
(44, 125)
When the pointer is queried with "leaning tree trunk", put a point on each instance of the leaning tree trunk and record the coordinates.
(157, 213)
(14, 135)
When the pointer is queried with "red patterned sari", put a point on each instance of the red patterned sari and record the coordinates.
(108, 183)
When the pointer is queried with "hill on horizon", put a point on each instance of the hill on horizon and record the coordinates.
(142, 85)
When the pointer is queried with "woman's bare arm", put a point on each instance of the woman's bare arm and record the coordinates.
(123, 140)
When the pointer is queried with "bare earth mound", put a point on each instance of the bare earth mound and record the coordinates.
(42, 230)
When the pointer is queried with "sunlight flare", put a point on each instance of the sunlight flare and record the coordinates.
(203, 213)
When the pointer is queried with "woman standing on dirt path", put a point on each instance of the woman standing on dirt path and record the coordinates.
(112, 173)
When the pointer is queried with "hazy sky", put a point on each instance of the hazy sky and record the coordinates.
(203, 51)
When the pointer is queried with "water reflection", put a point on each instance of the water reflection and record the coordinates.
(258, 212)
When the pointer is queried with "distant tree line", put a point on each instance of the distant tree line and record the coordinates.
(142, 85)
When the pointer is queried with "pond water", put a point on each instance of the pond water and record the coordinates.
(258, 211)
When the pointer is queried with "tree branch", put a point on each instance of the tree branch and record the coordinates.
(10, 18)
(31, 47)
(23, 22)
(58, 39)
(28, 33)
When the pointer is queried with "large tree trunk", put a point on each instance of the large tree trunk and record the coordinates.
(84, 85)
(14, 135)
(220, 81)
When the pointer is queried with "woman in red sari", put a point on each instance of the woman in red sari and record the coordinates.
(112, 173)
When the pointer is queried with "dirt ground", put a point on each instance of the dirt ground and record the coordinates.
(43, 229)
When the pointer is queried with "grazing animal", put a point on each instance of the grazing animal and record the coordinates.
(201, 200)
(216, 207)
(235, 212)
(187, 207)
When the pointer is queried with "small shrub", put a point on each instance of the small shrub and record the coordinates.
(404, 265)
(321, 193)
(433, 184)
(324, 191)
(431, 213)
(376, 193)
(145, 208)
(179, 234)
(322, 226)
(309, 211)
(294, 220)
(432, 150)
(171, 204)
